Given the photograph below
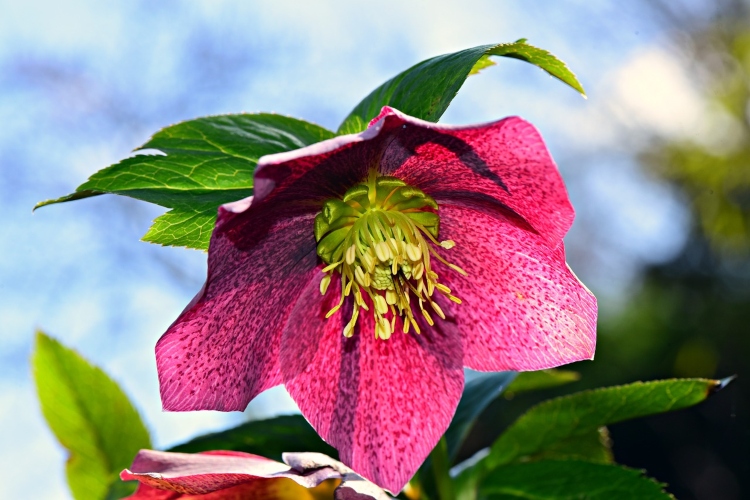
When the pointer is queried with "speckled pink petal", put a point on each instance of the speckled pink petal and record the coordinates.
(504, 164)
(382, 404)
(223, 350)
(320, 171)
(523, 309)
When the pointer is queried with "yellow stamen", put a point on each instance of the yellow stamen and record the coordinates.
(380, 238)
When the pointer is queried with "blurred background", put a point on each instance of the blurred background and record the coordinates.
(657, 162)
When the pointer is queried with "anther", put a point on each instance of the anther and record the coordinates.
(413, 252)
(381, 306)
(351, 254)
(324, 284)
(437, 309)
(428, 317)
(382, 251)
(380, 237)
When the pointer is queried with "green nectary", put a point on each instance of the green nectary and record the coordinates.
(380, 237)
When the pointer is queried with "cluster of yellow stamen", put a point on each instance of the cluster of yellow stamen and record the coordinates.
(376, 238)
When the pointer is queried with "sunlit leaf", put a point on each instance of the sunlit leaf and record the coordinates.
(184, 226)
(90, 416)
(198, 165)
(426, 89)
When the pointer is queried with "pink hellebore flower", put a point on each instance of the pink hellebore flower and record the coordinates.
(368, 270)
(235, 475)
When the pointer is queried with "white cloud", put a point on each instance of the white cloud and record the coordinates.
(655, 90)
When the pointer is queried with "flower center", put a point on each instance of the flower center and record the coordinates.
(380, 237)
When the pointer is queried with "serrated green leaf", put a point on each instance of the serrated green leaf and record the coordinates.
(270, 438)
(569, 480)
(542, 379)
(581, 414)
(541, 58)
(189, 227)
(90, 416)
(482, 63)
(426, 89)
(205, 162)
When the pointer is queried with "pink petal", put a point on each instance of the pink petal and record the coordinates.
(504, 163)
(382, 404)
(223, 350)
(221, 472)
(523, 309)
(320, 171)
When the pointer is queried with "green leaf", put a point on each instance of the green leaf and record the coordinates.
(426, 89)
(542, 379)
(90, 416)
(120, 489)
(594, 446)
(78, 195)
(184, 226)
(203, 163)
(478, 394)
(269, 438)
(569, 480)
(541, 58)
(482, 63)
(579, 415)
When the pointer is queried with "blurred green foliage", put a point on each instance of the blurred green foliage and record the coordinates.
(714, 174)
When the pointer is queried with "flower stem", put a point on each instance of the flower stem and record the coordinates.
(440, 467)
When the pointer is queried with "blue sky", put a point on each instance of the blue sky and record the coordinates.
(82, 83)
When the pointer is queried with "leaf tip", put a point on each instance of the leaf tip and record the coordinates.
(720, 384)
(42, 204)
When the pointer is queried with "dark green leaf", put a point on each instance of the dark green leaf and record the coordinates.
(269, 438)
(478, 394)
(426, 89)
(579, 415)
(205, 162)
(569, 480)
(90, 415)
(543, 379)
